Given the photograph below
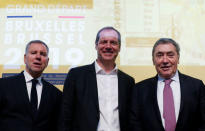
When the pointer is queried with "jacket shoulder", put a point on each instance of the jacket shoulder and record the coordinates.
(184, 76)
(125, 74)
(11, 78)
(54, 88)
(82, 69)
(147, 81)
(189, 79)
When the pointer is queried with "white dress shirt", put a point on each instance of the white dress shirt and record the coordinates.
(175, 85)
(39, 86)
(107, 84)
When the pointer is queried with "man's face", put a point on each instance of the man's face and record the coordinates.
(36, 59)
(108, 46)
(165, 60)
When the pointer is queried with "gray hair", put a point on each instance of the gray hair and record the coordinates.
(36, 41)
(108, 28)
(166, 41)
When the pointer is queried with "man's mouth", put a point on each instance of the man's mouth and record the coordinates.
(108, 52)
(165, 68)
(37, 64)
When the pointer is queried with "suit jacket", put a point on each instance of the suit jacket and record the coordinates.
(145, 114)
(81, 107)
(15, 108)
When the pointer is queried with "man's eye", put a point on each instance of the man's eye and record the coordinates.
(44, 54)
(114, 42)
(171, 54)
(159, 55)
(103, 42)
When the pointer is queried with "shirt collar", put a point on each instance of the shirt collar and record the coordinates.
(99, 70)
(174, 78)
(28, 77)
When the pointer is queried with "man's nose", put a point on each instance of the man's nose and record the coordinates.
(165, 59)
(108, 45)
(38, 56)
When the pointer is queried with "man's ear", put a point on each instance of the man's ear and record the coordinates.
(96, 46)
(178, 59)
(153, 61)
(24, 58)
(47, 61)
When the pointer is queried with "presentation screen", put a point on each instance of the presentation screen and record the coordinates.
(69, 27)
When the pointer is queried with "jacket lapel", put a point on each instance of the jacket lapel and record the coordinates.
(43, 106)
(156, 106)
(22, 89)
(183, 85)
(121, 92)
(93, 85)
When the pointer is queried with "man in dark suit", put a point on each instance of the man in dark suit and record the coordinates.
(27, 101)
(97, 96)
(170, 101)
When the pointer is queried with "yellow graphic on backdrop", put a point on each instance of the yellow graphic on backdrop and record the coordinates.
(46, 3)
